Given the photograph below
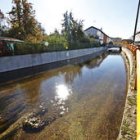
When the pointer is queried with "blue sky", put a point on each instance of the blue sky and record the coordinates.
(115, 17)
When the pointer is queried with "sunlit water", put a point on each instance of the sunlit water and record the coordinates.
(81, 102)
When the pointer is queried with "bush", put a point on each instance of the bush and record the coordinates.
(84, 40)
(56, 39)
(28, 48)
(55, 43)
(56, 47)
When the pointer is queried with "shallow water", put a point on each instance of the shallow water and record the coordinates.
(78, 102)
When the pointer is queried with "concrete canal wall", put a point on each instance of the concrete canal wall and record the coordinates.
(10, 63)
(138, 93)
(128, 125)
(15, 67)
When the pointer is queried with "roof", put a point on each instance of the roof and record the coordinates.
(96, 29)
(91, 27)
(10, 39)
(128, 40)
(138, 33)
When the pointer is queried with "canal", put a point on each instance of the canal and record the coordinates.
(75, 102)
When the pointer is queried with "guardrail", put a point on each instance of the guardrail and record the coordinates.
(133, 48)
(130, 113)
(138, 93)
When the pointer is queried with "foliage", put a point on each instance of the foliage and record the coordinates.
(77, 30)
(72, 36)
(57, 42)
(3, 27)
(29, 48)
(1, 19)
(24, 26)
(84, 45)
(72, 29)
(67, 25)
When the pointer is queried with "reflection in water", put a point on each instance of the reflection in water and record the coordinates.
(62, 92)
(96, 62)
(77, 101)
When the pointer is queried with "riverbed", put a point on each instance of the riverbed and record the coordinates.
(75, 102)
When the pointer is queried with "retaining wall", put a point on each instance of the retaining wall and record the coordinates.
(10, 63)
(17, 67)
(138, 94)
(128, 125)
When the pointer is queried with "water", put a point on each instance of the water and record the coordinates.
(75, 102)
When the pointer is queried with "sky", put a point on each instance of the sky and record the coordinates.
(115, 17)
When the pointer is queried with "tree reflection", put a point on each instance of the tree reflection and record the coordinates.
(51, 91)
(96, 62)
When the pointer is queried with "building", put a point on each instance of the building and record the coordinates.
(7, 45)
(98, 34)
(117, 40)
(137, 38)
(127, 41)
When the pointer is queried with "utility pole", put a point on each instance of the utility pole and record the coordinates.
(136, 22)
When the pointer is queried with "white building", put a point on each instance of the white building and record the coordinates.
(98, 34)
(137, 37)
(91, 31)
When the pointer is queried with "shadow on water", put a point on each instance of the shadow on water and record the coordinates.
(79, 98)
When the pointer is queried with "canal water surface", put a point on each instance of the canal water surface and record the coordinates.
(75, 102)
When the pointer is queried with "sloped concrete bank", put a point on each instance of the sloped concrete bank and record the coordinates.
(17, 67)
(128, 125)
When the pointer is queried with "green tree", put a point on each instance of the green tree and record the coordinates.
(77, 30)
(15, 20)
(57, 41)
(23, 23)
(71, 28)
(56, 32)
(3, 26)
(66, 25)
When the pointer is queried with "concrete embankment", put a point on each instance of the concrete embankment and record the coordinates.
(16, 67)
(128, 126)
(138, 93)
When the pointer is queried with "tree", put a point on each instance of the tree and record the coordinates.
(24, 26)
(71, 28)
(66, 25)
(57, 41)
(16, 20)
(77, 30)
(1, 19)
(3, 27)
(56, 32)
